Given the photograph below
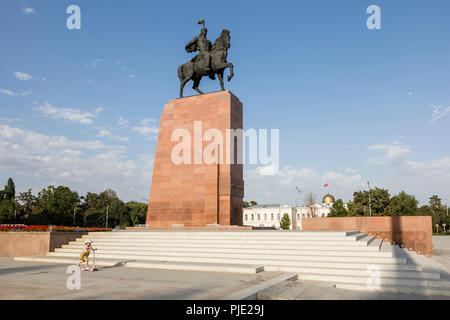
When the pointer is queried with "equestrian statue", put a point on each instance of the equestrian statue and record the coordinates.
(210, 61)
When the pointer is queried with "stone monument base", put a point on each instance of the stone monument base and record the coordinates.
(194, 192)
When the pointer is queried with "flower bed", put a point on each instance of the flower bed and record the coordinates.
(22, 228)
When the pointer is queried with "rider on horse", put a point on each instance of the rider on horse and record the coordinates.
(202, 61)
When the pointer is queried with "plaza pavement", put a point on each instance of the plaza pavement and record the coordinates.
(441, 251)
(27, 280)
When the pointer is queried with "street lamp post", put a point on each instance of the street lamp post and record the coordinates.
(370, 205)
(446, 205)
(107, 211)
(299, 192)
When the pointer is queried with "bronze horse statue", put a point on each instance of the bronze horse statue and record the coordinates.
(199, 67)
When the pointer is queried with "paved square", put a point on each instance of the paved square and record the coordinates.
(27, 280)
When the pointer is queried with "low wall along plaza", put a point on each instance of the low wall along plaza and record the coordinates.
(16, 244)
(412, 233)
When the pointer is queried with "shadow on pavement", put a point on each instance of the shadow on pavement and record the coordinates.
(27, 268)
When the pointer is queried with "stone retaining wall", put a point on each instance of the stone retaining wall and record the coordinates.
(16, 244)
(413, 233)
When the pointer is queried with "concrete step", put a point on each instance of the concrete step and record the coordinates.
(185, 266)
(269, 245)
(377, 243)
(227, 255)
(384, 281)
(213, 234)
(234, 258)
(295, 251)
(191, 266)
(229, 237)
(345, 268)
(363, 242)
(399, 289)
(348, 271)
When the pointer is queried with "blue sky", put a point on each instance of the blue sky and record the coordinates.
(81, 107)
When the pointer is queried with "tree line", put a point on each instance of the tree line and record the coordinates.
(64, 207)
(380, 203)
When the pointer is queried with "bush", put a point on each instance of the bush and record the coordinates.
(285, 222)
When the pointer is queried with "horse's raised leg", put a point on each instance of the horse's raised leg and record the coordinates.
(220, 74)
(182, 84)
(196, 84)
(230, 65)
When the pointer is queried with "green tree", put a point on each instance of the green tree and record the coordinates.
(253, 203)
(57, 205)
(435, 204)
(10, 190)
(137, 212)
(402, 204)
(97, 207)
(245, 204)
(8, 205)
(27, 202)
(7, 211)
(379, 201)
(338, 209)
(437, 210)
(285, 222)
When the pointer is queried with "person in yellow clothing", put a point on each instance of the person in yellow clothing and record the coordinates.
(84, 257)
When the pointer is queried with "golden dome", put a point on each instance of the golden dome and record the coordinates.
(328, 199)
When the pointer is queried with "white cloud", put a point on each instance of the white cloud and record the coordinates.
(28, 10)
(68, 114)
(145, 130)
(147, 121)
(281, 186)
(22, 76)
(392, 152)
(439, 113)
(38, 143)
(131, 76)
(97, 62)
(8, 92)
(420, 178)
(13, 94)
(82, 165)
(122, 122)
(392, 169)
(106, 133)
(9, 120)
(151, 138)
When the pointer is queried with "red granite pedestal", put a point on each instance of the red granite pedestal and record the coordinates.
(195, 193)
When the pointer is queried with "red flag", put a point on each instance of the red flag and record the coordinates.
(326, 185)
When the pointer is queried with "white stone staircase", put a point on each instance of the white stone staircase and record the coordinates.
(348, 259)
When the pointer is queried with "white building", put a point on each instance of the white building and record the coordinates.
(270, 215)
